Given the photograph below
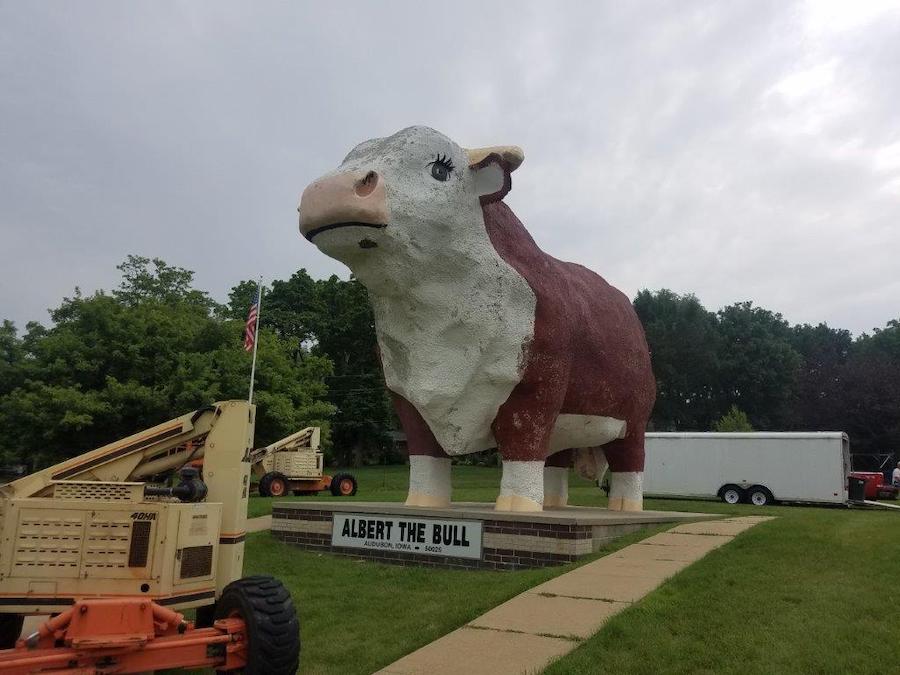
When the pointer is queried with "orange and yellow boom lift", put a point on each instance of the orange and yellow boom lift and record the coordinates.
(295, 464)
(112, 553)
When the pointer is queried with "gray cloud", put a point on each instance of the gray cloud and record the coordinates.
(742, 150)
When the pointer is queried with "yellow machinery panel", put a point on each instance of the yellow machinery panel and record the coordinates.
(296, 457)
(94, 527)
(298, 464)
(198, 538)
(159, 549)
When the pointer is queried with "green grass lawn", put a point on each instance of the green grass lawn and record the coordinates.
(809, 592)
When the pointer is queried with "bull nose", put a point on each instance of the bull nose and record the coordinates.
(367, 184)
(349, 198)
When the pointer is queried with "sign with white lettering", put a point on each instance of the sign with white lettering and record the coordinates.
(424, 536)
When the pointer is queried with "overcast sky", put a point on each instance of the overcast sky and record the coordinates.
(736, 150)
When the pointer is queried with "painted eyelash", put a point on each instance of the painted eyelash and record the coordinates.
(444, 161)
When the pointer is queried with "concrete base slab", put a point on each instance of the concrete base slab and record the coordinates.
(566, 515)
(473, 650)
(549, 615)
(524, 634)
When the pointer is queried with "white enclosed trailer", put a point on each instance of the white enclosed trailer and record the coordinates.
(758, 467)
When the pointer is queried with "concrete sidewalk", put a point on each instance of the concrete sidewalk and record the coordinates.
(259, 524)
(526, 633)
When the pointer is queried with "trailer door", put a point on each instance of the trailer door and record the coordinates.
(845, 451)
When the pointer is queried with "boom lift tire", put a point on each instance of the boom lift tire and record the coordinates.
(343, 485)
(273, 630)
(273, 484)
(10, 628)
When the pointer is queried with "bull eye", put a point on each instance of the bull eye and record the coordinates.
(441, 168)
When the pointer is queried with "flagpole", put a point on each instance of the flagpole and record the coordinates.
(259, 294)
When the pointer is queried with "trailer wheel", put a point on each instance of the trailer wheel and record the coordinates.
(343, 485)
(759, 496)
(273, 630)
(731, 494)
(273, 484)
(10, 629)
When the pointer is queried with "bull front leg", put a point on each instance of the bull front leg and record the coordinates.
(522, 430)
(522, 486)
(429, 465)
(429, 481)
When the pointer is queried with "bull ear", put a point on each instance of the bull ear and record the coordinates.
(493, 167)
(511, 154)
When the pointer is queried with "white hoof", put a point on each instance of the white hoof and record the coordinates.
(521, 487)
(556, 487)
(429, 481)
(626, 491)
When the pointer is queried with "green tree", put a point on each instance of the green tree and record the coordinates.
(11, 354)
(333, 319)
(144, 279)
(819, 392)
(684, 349)
(240, 298)
(114, 364)
(870, 380)
(345, 332)
(734, 420)
(758, 366)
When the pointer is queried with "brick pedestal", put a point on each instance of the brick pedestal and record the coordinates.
(509, 540)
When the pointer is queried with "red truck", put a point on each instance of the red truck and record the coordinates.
(876, 488)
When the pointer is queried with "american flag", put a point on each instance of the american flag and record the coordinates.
(250, 326)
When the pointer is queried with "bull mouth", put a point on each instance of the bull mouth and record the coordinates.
(333, 226)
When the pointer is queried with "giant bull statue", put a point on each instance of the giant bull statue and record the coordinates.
(485, 340)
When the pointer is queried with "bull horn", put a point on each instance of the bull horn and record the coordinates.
(511, 154)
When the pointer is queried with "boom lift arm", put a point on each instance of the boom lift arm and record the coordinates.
(152, 452)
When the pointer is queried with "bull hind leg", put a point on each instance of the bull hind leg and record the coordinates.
(556, 479)
(626, 477)
(429, 465)
(590, 463)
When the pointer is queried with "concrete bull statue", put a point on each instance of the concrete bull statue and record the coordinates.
(485, 340)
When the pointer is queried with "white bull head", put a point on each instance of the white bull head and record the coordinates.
(415, 196)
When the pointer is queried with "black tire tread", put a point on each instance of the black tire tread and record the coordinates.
(265, 483)
(336, 484)
(10, 629)
(273, 629)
